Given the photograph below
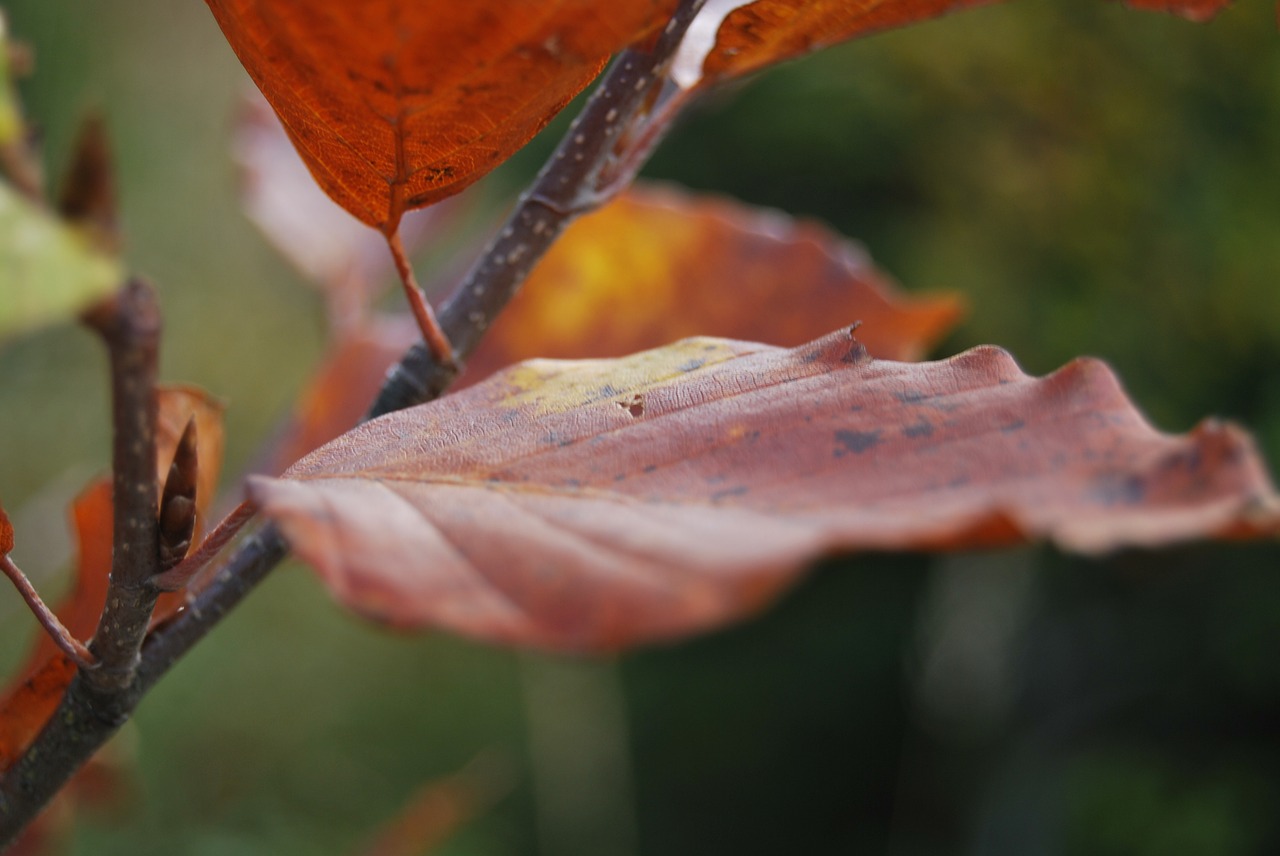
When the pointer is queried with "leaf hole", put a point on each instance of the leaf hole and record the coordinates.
(633, 405)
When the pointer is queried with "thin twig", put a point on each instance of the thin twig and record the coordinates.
(61, 636)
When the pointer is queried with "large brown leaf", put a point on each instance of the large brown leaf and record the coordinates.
(658, 264)
(599, 504)
(395, 104)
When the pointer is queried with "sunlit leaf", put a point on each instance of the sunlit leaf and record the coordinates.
(658, 265)
(604, 503)
(395, 104)
(48, 272)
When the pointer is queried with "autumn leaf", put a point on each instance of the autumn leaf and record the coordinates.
(396, 104)
(658, 264)
(49, 271)
(600, 504)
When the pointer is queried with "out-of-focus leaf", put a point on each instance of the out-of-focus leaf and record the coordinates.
(1195, 10)
(438, 809)
(18, 159)
(47, 270)
(47, 672)
(340, 391)
(599, 504)
(336, 252)
(88, 196)
(395, 104)
(6, 533)
(658, 265)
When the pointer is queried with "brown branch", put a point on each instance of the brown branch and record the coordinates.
(98, 702)
(61, 636)
(129, 323)
(566, 187)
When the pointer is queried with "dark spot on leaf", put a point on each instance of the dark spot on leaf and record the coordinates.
(692, 365)
(1015, 425)
(923, 428)
(910, 396)
(1119, 490)
(740, 490)
(650, 468)
(856, 442)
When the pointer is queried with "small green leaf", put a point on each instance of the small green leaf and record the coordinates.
(48, 271)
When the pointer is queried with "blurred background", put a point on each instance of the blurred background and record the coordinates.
(1095, 180)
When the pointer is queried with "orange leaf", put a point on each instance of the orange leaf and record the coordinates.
(658, 264)
(600, 504)
(395, 104)
(47, 672)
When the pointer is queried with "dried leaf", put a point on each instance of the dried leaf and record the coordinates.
(396, 104)
(49, 270)
(40, 683)
(336, 252)
(658, 264)
(600, 504)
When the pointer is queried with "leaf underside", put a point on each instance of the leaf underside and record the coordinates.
(600, 504)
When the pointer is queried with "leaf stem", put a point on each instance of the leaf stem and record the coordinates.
(435, 338)
(178, 576)
(62, 637)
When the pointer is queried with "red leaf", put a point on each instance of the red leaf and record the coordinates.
(658, 264)
(601, 504)
(395, 104)
(6, 533)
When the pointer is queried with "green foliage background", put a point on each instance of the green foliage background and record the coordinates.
(1096, 180)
